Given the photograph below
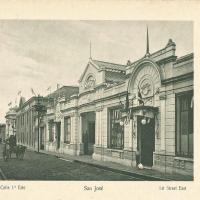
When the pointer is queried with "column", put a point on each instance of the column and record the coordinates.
(80, 130)
(62, 130)
(127, 135)
(98, 126)
(74, 124)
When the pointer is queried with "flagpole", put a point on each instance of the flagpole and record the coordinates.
(38, 126)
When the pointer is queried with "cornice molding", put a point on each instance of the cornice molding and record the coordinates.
(178, 78)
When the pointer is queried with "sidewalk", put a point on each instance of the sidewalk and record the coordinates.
(146, 174)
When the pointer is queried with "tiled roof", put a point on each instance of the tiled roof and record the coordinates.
(107, 65)
(65, 91)
(114, 76)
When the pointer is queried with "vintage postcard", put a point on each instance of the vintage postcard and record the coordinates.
(98, 100)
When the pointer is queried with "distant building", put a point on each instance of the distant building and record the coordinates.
(57, 122)
(27, 122)
(11, 122)
(2, 132)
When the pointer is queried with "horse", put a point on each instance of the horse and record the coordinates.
(19, 150)
(10, 146)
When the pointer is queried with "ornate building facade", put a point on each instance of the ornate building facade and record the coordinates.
(138, 113)
(31, 117)
(141, 112)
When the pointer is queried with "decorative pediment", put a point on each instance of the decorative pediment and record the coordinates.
(89, 65)
(89, 82)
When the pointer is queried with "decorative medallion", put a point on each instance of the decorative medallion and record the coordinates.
(90, 82)
(146, 87)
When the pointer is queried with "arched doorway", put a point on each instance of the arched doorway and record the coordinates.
(144, 87)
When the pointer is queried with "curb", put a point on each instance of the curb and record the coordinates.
(133, 174)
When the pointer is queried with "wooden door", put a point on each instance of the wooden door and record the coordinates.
(146, 141)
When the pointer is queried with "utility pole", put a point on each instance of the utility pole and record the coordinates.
(40, 109)
(38, 124)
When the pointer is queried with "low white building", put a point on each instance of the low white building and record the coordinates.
(141, 112)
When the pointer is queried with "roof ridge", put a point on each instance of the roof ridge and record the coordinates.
(108, 62)
(69, 86)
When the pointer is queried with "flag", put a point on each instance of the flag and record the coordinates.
(33, 92)
(117, 114)
(19, 93)
(49, 88)
(113, 114)
(127, 102)
(140, 97)
(10, 104)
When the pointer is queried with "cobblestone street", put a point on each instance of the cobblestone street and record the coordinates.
(36, 166)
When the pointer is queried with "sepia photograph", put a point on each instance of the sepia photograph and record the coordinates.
(96, 100)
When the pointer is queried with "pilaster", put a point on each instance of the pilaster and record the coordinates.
(163, 120)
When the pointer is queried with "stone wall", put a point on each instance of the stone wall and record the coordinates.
(124, 157)
(172, 164)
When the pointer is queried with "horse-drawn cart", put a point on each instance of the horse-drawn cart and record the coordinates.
(10, 147)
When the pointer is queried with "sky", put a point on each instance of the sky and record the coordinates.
(39, 54)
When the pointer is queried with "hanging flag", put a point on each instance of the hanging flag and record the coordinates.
(33, 92)
(113, 114)
(127, 101)
(117, 114)
(49, 88)
(19, 93)
(140, 97)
